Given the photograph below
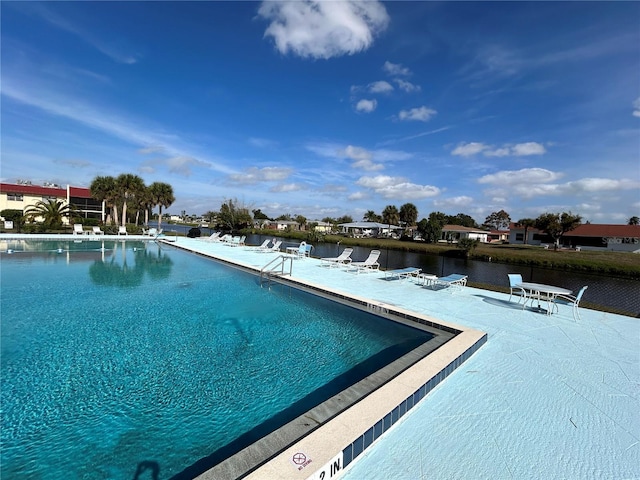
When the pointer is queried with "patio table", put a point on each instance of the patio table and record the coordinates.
(540, 291)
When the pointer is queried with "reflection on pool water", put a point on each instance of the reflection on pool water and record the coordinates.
(115, 354)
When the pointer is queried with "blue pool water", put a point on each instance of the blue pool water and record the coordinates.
(114, 354)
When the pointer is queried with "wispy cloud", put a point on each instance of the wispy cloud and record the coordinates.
(396, 69)
(89, 115)
(636, 107)
(318, 29)
(518, 150)
(253, 175)
(107, 47)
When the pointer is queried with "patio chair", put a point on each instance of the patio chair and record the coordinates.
(77, 229)
(368, 265)
(574, 301)
(341, 260)
(515, 279)
(96, 231)
(122, 231)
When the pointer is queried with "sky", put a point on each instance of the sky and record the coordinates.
(331, 108)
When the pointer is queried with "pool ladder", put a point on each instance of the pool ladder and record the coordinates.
(276, 268)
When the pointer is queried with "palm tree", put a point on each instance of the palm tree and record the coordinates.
(129, 186)
(390, 216)
(162, 196)
(371, 216)
(104, 189)
(527, 223)
(408, 214)
(52, 211)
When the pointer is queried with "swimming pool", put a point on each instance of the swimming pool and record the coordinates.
(119, 353)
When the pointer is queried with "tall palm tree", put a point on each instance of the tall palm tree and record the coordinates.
(408, 214)
(104, 189)
(162, 196)
(129, 186)
(371, 216)
(52, 211)
(390, 216)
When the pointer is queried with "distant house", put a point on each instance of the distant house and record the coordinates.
(23, 196)
(454, 233)
(368, 229)
(323, 227)
(498, 236)
(588, 236)
(283, 225)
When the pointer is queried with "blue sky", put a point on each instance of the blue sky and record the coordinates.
(326, 109)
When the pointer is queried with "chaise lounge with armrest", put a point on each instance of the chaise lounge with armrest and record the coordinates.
(341, 260)
(368, 265)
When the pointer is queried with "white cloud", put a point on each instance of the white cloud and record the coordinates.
(421, 114)
(320, 29)
(366, 106)
(358, 196)
(469, 149)
(255, 175)
(262, 142)
(287, 187)
(526, 176)
(396, 69)
(397, 188)
(636, 107)
(454, 202)
(362, 158)
(380, 87)
(518, 150)
(529, 148)
(407, 86)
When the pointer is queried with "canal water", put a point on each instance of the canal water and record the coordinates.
(622, 294)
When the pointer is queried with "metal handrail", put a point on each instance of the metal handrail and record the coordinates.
(282, 259)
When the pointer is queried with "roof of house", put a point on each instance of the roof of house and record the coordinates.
(460, 228)
(605, 230)
(39, 190)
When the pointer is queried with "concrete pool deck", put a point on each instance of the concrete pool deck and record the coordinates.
(545, 397)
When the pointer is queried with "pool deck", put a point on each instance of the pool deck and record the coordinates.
(545, 397)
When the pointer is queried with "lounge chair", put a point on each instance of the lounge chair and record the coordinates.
(262, 246)
(77, 229)
(341, 260)
(455, 280)
(515, 279)
(402, 273)
(273, 248)
(122, 231)
(214, 237)
(96, 231)
(370, 264)
(573, 301)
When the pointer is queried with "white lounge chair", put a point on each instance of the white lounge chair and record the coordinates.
(341, 260)
(515, 279)
(273, 248)
(455, 280)
(77, 229)
(402, 273)
(96, 231)
(122, 231)
(368, 265)
(214, 237)
(262, 246)
(574, 301)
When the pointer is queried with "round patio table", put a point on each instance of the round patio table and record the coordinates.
(540, 291)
